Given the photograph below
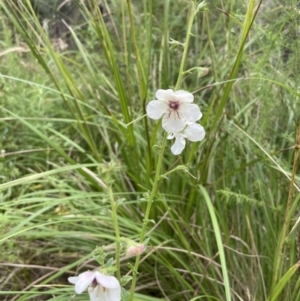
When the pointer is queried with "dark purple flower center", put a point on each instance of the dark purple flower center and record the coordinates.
(95, 284)
(174, 105)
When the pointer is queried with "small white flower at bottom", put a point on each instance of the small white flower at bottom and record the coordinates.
(100, 287)
(193, 132)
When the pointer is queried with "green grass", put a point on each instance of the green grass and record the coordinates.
(224, 222)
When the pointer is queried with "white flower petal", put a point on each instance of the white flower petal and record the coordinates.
(156, 108)
(194, 132)
(98, 294)
(171, 136)
(73, 280)
(114, 294)
(106, 281)
(172, 124)
(184, 96)
(190, 112)
(164, 95)
(83, 281)
(179, 145)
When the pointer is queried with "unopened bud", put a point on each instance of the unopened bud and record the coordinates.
(135, 250)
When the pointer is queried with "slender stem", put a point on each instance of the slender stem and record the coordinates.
(159, 163)
(143, 84)
(147, 214)
(117, 231)
(288, 212)
(186, 44)
(141, 75)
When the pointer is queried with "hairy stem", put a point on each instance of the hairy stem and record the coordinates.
(117, 231)
(147, 214)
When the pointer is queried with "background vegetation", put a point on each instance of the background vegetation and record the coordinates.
(71, 98)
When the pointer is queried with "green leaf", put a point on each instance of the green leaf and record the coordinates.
(283, 282)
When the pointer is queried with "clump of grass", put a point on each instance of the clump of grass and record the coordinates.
(70, 120)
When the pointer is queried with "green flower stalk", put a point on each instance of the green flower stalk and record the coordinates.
(179, 106)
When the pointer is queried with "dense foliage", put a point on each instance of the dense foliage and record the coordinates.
(73, 95)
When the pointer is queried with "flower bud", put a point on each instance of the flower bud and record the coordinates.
(135, 250)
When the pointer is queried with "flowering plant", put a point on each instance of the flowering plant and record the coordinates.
(179, 119)
(179, 116)
(100, 287)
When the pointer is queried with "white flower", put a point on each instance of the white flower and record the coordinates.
(193, 132)
(176, 108)
(100, 287)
